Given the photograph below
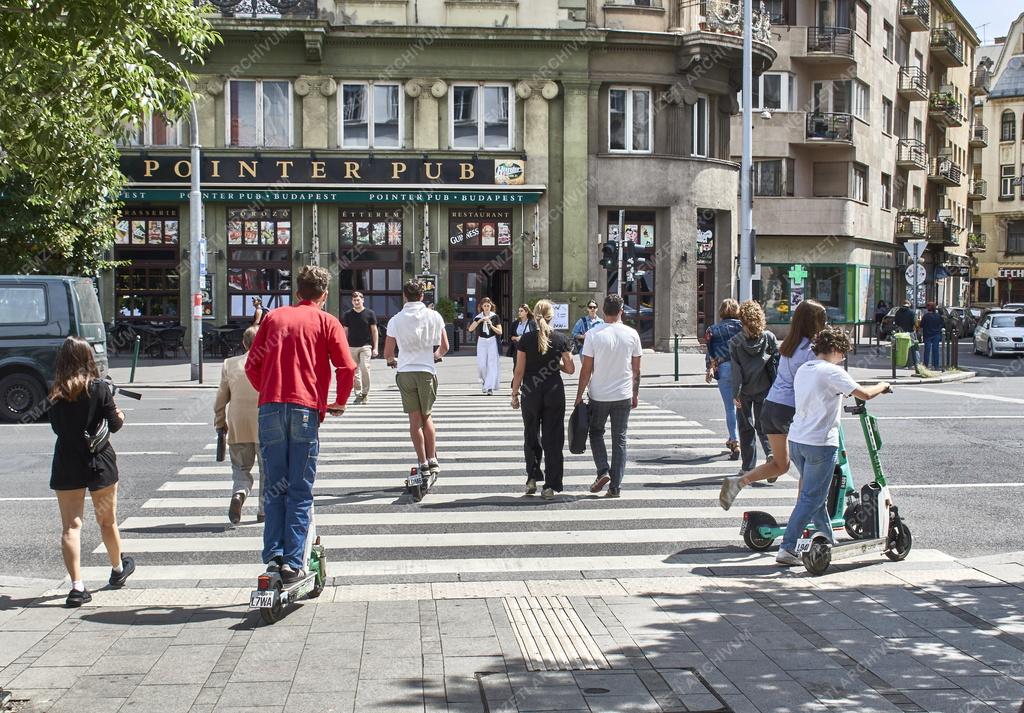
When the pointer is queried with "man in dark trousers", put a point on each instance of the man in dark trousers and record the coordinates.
(361, 329)
(289, 364)
(905, 320)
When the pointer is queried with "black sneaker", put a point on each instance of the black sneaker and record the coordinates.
(613, 493)
(77, 598)
(275, 564)
(290, 576)
(235, 508)
(117, 579)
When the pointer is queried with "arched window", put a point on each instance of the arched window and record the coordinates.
(1008, 127)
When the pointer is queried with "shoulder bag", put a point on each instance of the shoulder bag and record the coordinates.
(98, 437)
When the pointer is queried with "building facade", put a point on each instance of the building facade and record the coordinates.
(861, 144)
(997, 240)
(488, 147)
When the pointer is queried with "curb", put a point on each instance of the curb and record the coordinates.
(944, 379)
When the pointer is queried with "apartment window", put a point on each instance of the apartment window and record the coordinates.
(1008, 126)
(1015, 237)
(482, 116)
(917, 197)
(700, 127)
(1006, 182)
(774, 90)
(887, 47)
(902, 122)
(861, 100)
(860, 182)
(918, 130)
(259, 113)
(887, 115)
(831, 96)
(154, 130)
(773, 177)
(886, 191)
(629, 119)
(899, 193)
(371, 115)
(779, 12)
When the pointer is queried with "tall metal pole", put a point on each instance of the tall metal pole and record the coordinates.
(746, 199)
(196, 243)
(622, 237)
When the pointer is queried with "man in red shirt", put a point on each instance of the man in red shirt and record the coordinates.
(289, 363)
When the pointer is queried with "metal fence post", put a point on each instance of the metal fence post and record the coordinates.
(943, 350)
(200, 357)
(676, 349)
(135, 357)
(892, 353)
(956, 349)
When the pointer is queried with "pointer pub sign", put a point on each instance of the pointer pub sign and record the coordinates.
(259, 169)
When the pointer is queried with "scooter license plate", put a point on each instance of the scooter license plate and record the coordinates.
(803, 545)
(261, 599)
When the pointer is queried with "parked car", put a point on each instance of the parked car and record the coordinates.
(1000, 333)
(36, 314)
(1017, 306)
(888, 324)
(959, 318)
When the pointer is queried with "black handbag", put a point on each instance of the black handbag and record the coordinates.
(579, 428)
(97, 438)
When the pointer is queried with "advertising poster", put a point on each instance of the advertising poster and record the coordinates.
(395, 234)
(488, 234)
(123, 229)
(632, 233)
(796, 296)
(647, 236)
(251, 232)
(284, 232)
(345, 230)
(380, 233)
(824, 290)
(156, 231)
(171, 231)
(138, 232)
(504, 233)
(363, 233)
(864, 286)
(267, 236)
(560, 319)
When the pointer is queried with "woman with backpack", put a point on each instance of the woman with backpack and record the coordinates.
(780, 404)
(719, 367)
(754, 356)
(83, 414)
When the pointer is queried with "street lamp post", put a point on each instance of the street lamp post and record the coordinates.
(746, 199)
(197, 245)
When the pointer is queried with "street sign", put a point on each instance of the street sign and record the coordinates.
(202, 258)
(916, 273)
(915, 248)
(990, 282)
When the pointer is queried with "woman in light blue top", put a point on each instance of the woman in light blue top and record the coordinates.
(780, 404)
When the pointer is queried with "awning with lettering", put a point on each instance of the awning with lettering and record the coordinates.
(363, 195)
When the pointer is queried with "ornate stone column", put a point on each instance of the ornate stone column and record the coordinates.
(315, 93)
(425, 130)
(535, 96)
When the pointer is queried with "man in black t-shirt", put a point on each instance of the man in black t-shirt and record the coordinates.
(361, 328)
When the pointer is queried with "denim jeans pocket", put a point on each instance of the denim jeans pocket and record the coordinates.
(305, 425)
(270, 428)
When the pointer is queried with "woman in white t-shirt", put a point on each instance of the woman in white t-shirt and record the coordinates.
(820, 387)
(487, 325)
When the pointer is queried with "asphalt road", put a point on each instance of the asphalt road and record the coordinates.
(951, 453)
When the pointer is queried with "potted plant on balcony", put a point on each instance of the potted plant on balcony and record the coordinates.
(976, 242)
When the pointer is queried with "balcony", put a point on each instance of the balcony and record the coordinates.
(944, 232)
(979, 136)
(263, 8)
(977, 189)
(829, 45)
(912, 155)
(915, 15)
(981, 81)
(913, 84)
(829, 129)
(944, 171)
(976, 242)
(944, 109)
(910, 225)
(946, 48)
(726, 17)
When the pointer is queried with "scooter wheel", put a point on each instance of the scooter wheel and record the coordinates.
(321, 576)
(752, 538)
(900, 541)
(854, 524)
(272, 614)
(818, 558)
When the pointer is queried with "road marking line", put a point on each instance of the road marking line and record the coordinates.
(342, 452)
(951, 392)
(922, 486)
(27, 499)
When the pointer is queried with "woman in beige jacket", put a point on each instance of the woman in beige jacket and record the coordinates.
(241, 423)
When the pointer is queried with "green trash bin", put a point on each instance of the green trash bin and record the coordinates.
(901, 342)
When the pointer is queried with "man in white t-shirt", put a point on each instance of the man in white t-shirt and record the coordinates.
(611, 370)
(415, 331)
(820, 386)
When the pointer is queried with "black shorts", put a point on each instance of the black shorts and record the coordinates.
(74, 471)
(776, 418)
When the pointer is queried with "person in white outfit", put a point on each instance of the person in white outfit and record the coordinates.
(487, 325)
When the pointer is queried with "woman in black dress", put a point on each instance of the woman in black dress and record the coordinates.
(544, 354)
(81, 401)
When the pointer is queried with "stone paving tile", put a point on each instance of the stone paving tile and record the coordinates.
(469, 665)
(37, 619)
(48, 677)
(255, 694)
(393, 647)
(548, 698)
(77, 649)
(951, 701)
(617, 683)
(382, 667)
(184, 664)
(39, 699)
(74, 704)
(14, 643)
(393, 612)
(991, 688)
(641, 703)
(275, 662)
(163, 698)
(904, 672)
(307, 702)
(470, 646)
(126, 664)
(392, 630)
(394, 695)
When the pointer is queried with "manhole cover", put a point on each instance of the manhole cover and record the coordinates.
(552, 636)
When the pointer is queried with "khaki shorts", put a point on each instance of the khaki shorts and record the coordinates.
(419, 389)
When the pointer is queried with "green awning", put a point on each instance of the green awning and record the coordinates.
(362, 197)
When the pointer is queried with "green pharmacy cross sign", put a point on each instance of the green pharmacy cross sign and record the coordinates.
(798, 273)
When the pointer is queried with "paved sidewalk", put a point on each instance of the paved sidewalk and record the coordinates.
(928, 634)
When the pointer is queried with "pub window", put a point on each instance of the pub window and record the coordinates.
(370, 227)
(629, 119)
(259, 259)
(147, 286)
(371, 115)
(153, 130)
(259, 112)
(371, 243)
(481, 116)
(469, 229)
(700, 127)
(1008, 126)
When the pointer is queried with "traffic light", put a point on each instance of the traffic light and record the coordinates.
(610, 255)
(629, 256)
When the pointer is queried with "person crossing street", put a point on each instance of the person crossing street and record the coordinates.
(361, 329)
(289, 364)
(487, 325)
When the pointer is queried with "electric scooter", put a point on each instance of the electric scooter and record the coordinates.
(416, 485)
(880, 526)
(272, 595)
(760, 530)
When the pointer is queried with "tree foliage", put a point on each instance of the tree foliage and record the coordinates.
(73, 75)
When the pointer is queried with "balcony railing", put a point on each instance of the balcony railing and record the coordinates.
(913, 83)
(944, 170)
(946, 46)
(837, 41)
(977, 189)
(945, 232)
(976, 242)
(944, 108)
(910, 225)
(979, 136)
(727, 18)
(263, 8)
(829, 127)
(912, 154)
(915, 15)
(981, 81)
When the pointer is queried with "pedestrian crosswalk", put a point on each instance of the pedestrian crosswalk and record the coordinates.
(477, 523)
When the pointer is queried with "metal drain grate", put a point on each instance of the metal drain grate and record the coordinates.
(552, 636)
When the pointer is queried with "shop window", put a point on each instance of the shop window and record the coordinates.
(371, 115)
(825, 283)
(379, 227)
(147, 287)
(699, 122)
(638, 293)
(1008, 126)
(1015, 237)
(481, 116)
(629, 120)
(371, 243)
(773, 177)
(471, 228)
(259, 113)
(259, 259)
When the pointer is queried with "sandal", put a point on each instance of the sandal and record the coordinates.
(734, 449)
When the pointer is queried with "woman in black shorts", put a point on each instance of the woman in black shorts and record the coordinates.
(81, 401)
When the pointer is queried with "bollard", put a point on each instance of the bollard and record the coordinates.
(200, 358)
(943, 349)
(956, 349)
(892, 353)
(135, 357)
(676, 349)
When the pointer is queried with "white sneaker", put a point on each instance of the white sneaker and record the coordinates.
(787, 558)
(731, 487)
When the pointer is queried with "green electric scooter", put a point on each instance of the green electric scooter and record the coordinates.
(272, 595)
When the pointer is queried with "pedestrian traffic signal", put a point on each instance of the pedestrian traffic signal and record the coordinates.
(610, 255)
(629, 255)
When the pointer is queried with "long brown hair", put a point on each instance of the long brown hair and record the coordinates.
(544, 313)
(75, 370)
(808, 319)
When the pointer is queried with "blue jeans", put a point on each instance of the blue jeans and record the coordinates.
(932, 351)
(289, 443)
(816, 465)
(599, 413)
(725, 390)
